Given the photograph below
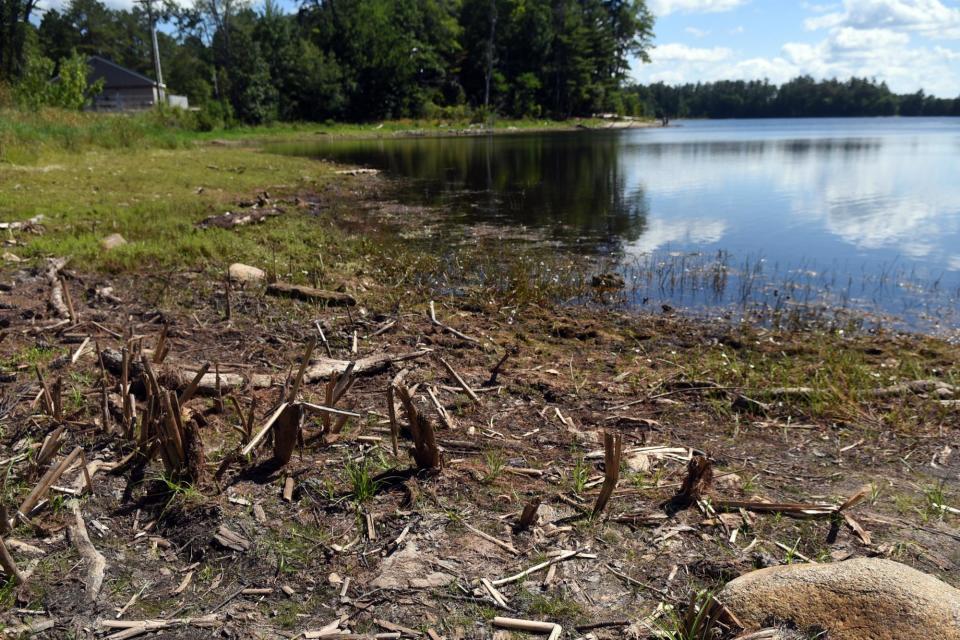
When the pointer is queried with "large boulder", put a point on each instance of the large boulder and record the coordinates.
(862, 599)
(245, 273)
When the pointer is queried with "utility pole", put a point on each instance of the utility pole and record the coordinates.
(156, 49)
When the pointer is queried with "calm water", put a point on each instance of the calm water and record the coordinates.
(862, 213)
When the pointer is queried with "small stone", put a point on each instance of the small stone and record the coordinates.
(245, 273)
(852, 600)
(10, 257)
(638, 463)
(112, 241)
(727, 481)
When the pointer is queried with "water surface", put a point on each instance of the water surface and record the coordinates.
(863, 213)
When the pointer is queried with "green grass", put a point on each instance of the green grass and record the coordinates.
(839, 369)
(495, 462)
(25, 136)
(579, 475)
(153, 197)
(363, 487)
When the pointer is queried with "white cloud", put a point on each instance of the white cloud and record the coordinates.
(697, 33)
(664, 7)
(929, 17)
(677, 52)
(848, 38)
(887, 54)
(661, 232)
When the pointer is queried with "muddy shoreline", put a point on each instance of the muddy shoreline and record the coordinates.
(519, 395)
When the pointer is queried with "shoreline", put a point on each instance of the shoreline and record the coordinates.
(517, 388)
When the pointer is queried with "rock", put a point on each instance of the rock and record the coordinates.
(608, 281)
(862, 599)
(245, 273)
(112, 241)
(638, 463)
(10, 257)
(729, 481)
(407, 569)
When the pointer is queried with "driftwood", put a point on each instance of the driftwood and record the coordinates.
(50, 477)
(8, 564)
(231, 219)
(57, 300)
(323, 368)
(173, 376)
(448, 328)
(134, 628)
(529, 626)
(16, 225)
(96, 563)
(302, 292)
(794, 509)
(459, 380)
(231, 539)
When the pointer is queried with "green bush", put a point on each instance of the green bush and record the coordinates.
(39, 88)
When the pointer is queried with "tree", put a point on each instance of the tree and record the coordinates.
(396, 56)
(14, 28)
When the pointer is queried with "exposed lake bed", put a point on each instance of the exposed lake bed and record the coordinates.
(366, 537)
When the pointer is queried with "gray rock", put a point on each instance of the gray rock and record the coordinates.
(407, 569)
(245, 273)
(112, 241)
(862, 599)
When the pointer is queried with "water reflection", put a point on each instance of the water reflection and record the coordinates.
(574, 187)
(850, 197)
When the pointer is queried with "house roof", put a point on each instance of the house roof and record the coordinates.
(114, 76)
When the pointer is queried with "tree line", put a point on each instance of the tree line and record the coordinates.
(351, 59)
(800, 97)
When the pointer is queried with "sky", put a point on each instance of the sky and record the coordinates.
(909, 44)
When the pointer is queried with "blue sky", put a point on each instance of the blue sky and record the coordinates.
(910, 44)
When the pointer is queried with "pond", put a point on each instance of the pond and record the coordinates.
(859, 213)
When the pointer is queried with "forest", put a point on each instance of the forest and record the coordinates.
(369, 60)
(353, 60)
(802, 97)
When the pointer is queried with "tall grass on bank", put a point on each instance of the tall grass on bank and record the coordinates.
(25, 136)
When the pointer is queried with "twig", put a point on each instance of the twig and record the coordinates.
(566, 555)
(460, 381)
(257, 439)
(500, 543)
(97, 563)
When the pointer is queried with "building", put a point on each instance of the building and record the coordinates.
(126, 90)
